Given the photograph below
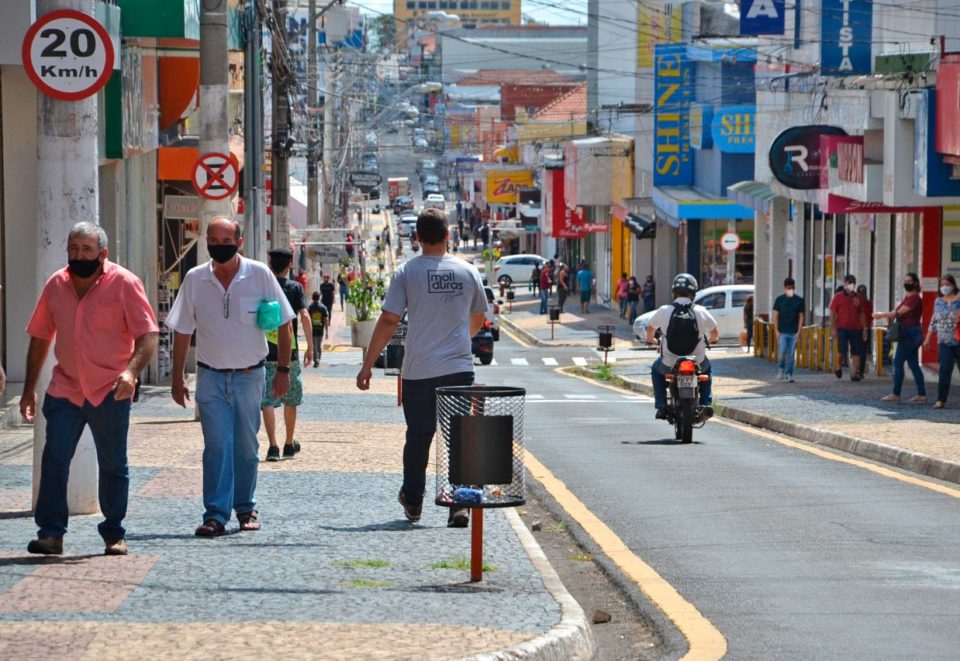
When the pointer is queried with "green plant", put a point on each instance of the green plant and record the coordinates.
(365, 295)
(461, 563)
(364, 583)
(377, 564)
(604, 372)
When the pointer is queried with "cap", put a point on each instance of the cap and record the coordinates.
(280, 252)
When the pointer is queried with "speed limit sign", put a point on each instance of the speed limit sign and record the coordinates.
(68, 55)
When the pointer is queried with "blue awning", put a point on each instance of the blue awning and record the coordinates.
(685, 203)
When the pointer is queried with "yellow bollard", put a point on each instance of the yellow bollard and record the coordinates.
(878, 354)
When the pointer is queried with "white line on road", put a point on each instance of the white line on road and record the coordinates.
(579, 361)
(550, 361)
(578, 396)
(534, 396)
(519, 361)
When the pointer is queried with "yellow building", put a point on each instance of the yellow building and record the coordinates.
(471, 12)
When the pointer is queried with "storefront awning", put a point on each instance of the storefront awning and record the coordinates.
(685, 203)
(755, 195)
(643, 227)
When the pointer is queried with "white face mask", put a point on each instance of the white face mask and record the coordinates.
(947, 290)
(789, 292)
(849, 288)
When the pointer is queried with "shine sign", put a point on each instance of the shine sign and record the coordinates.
(734, 129)
(673, 92)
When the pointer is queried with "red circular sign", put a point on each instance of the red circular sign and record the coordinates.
(215, 176)
(68, 55)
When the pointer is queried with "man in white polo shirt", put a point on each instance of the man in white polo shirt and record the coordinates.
(219, 300)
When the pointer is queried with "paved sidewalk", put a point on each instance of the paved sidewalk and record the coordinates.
(336, 572)
(817, 407)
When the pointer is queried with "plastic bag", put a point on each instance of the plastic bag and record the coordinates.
(268, 315)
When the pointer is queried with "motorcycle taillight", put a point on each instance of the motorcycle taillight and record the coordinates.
(687, 367)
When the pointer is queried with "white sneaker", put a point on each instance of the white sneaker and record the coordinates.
(780, 376)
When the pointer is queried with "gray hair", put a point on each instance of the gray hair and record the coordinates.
(237, 225)
(84, 229)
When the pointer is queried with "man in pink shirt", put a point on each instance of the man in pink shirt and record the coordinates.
(106, 332)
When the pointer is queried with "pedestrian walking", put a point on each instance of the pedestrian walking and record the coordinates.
(221, 300)
(849, 325)
(444, 301)
(320, 325)
(865, 350)
(485, 235)
(546, 281)
(622, 285)
(649, 294)
(460, 215)
(344, 288)
(563, 285)
(943, 325)
(788, 314)
(633, 298)
(535, 279)
(909, 317)
(328, 292)
(105, 334)
(585, 285)
(280, 260)
(301, 278)
(748, 321)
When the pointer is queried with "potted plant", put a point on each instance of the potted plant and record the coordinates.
(365, 296)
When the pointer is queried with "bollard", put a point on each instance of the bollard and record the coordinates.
(879, 352)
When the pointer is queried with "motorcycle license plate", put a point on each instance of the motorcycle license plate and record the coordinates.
(687, 381)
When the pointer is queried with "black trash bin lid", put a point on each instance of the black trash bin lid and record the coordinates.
(483, 391)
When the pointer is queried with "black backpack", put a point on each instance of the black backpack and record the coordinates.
(683, 333)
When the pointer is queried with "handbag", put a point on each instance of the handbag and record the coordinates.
(894, 330)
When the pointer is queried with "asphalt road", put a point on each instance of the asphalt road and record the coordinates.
(788, 554)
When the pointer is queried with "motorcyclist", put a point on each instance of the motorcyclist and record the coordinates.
(684, 287)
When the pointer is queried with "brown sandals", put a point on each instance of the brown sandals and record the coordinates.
(249, 521)
(211, 528)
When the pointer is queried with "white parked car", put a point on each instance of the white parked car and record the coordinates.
(435, 201)
(724, 302)
(516, 268)
(406, 224)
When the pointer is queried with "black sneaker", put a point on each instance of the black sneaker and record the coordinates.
(412, 512)
(855, 377)
(291, 450)
(459, 518)
(839, 373)
(273, 454)
(662, 414)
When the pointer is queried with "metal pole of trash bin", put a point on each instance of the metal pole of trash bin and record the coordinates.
(605, 340)
(510, 296)
(476, 545)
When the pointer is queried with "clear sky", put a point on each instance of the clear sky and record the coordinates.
(554, 12)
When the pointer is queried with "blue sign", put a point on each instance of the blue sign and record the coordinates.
(700, 117)
(762, 16)
(845, 37)
(932, 176)
(672, 94)
(734, 129)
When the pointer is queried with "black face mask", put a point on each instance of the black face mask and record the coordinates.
(908, 286)
(83, 268)
(222, 253)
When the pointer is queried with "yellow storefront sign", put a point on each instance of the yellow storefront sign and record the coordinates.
(502, 185)
(657, 23)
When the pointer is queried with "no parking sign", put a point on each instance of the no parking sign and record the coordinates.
(215, 176)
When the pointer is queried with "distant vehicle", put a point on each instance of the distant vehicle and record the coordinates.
(402, 203)
(425, 167)
(406, 225)
(493, 312)
(724, 302)
(429, 190)
(516, 268)
(431, 180)
(420, 145)
(419, 133)
(371, 140)
(435, 201)
(481, 345)
(398, 186)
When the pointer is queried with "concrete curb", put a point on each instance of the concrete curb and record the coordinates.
(572, 637)
(530, 338)
(915, 462)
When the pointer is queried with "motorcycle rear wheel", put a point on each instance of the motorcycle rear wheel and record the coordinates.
(685, 422)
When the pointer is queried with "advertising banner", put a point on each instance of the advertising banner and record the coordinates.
(734, 129)
(560, 221)
(657, 23)
(673, 93)
(795, 158)
(845, 37)
(762, 17)
(502, 185)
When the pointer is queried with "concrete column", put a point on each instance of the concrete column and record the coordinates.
(779, 217)
(762, 260)
(883, 291)
(214, 121)
(67, 192)
(796, 240)
(666, 248)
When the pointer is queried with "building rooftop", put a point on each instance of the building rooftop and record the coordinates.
(572, 105)
(515, 77)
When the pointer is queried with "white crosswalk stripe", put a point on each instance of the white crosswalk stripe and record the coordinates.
(580, 396)
(519, 361)
(579, 361)
(550, 361)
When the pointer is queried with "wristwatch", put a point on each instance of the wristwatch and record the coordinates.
(283, 369)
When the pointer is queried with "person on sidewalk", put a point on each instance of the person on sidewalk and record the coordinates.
(622, 284)
(546, 281)
(684, 288)
(633, 298)
(445, 304)
(848, 323)
(943, 325)
(748, 321)
(220, 299)
(344, 288)
(868, 337)
(105, 333)
(328, 293)
(320, 325)
(787, 321)
(649, 294)
(535, 279)
(585, 285)
(563, 285)
(909, 311)
(280, 260)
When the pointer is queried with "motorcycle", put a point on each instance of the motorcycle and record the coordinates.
(481, 345)
(684, 411)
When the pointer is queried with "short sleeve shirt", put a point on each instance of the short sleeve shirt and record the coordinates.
(297, 299)
(438, 295)
(913, 306)
(225, 320)
(584, 279)
(705, 323)
(95, 335)
(789, 309)
(846, 310)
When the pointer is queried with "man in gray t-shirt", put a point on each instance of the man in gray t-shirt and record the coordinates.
(445, 305)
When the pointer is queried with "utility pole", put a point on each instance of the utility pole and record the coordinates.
(67, 191)
(253, 135)
(214, 124)
(329, 82)
(282, 78)
(313, 215)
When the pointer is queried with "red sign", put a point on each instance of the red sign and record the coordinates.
(850, 159)
(67, 54)
(840, 204)
(566, 222)
(216, 176)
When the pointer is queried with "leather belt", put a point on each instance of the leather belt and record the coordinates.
(229, 369)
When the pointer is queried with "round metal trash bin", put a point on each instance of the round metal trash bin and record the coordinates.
(393, 353)
(605, 337)
(480, 450)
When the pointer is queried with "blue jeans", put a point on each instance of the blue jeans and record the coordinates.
(949, 356)
(65, 423)
(787, 349)
(633, 309)
(658, 372)
(420, 412)
(544, 296)
(229, 404)
(623, 307)
(908, 350)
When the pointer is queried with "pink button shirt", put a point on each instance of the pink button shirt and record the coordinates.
(95, 335)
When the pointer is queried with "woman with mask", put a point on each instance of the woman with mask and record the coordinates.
(909, 312)
(943, 324)
(633, 297)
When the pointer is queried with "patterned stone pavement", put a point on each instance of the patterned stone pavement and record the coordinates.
(336, 572)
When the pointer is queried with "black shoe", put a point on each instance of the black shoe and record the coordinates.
(273, 454)
(291, 450)
(662, 414)
(855, 377)
(46, 546)
(412, 512)
(316, 363)
(839, 373)
(459, 518)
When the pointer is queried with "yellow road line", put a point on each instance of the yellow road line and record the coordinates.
(705, 641)
(515, 336)
(844, 459)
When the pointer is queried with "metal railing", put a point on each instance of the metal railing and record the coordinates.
(816, 347)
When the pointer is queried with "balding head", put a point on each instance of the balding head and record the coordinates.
(222, 226)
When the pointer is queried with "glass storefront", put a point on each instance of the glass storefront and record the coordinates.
(719, 266)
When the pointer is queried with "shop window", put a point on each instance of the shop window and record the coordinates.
(714, 301)
(411, 4)
(485, 5)
(505, 4)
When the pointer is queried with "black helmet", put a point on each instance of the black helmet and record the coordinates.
(684, 284)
